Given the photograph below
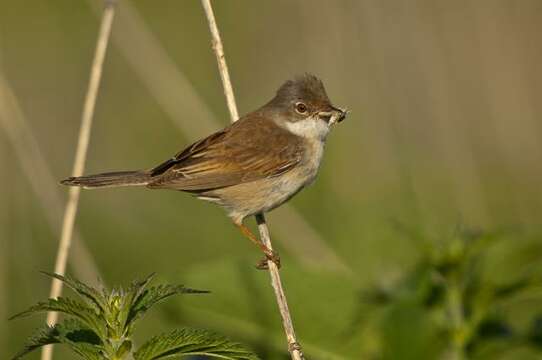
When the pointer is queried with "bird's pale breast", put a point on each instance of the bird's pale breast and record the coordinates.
(263, 195)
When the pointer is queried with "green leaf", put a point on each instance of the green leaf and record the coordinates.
(185, 342)
(130, 297)
(71, 307)
(137, 287)
(41, 337)
(88, 293)
(71, 332)
(124, 349)
(153, 295)
(86, 351)
(74, 331)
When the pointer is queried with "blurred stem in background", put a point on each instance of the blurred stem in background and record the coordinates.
(79, 163)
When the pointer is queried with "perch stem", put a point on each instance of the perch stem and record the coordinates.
(293, 346)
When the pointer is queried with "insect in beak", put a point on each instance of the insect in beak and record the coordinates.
(341, 114)
(332, 117)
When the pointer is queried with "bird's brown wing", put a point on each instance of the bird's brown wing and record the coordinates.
(250, 149)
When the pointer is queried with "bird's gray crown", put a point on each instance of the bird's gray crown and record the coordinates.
(306, 87)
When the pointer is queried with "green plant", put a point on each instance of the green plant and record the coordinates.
(101, 323)
(464, 298)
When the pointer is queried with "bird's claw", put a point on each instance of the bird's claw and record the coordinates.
(271, 255)
(294, 346)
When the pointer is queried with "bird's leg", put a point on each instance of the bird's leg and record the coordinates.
(269, 253)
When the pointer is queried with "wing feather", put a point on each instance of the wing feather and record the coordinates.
(250, 149)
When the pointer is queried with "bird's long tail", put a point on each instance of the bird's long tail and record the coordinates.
(111, 179)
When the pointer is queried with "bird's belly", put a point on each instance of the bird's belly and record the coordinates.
(283, 188)
(263, 195)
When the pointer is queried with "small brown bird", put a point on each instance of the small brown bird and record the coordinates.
(253, 165)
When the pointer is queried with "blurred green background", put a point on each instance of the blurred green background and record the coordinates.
(421, 238)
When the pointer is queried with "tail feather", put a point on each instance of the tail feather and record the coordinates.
(111, 179)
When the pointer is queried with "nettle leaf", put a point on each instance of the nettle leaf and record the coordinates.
(79, 310)
(91, 296)
(71, 332)
(80, 339)
(41, 337)
(151, 296)
(138, 286)
(86, 351)
(185, 342)
(131, 296)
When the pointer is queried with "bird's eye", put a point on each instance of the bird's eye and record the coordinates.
(301, 108)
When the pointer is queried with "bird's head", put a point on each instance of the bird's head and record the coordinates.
(303, 107)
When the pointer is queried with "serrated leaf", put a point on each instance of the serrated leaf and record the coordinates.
(137, 287)
(41, 337)
(80, 339)
(86, 351)
(88, 293)
(152, 296)
(71, 332)
(185, 342)
(130, 297)
(71, 307)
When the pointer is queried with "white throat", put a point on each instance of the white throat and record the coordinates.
(312, 128)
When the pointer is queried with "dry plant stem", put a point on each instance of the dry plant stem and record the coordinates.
(79, 163)
(293, 346)
(221, 59)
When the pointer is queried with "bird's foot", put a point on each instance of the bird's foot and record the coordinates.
(269, 255)
(294, 346)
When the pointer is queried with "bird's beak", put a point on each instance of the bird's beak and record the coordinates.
(341, 113)
(336, 115)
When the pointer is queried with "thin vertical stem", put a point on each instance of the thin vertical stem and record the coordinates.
(79, 163)
(293, 346)
(221, 60)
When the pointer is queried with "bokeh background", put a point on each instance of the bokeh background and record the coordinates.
(421, 238)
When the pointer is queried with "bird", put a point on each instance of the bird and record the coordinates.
(252, 166)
